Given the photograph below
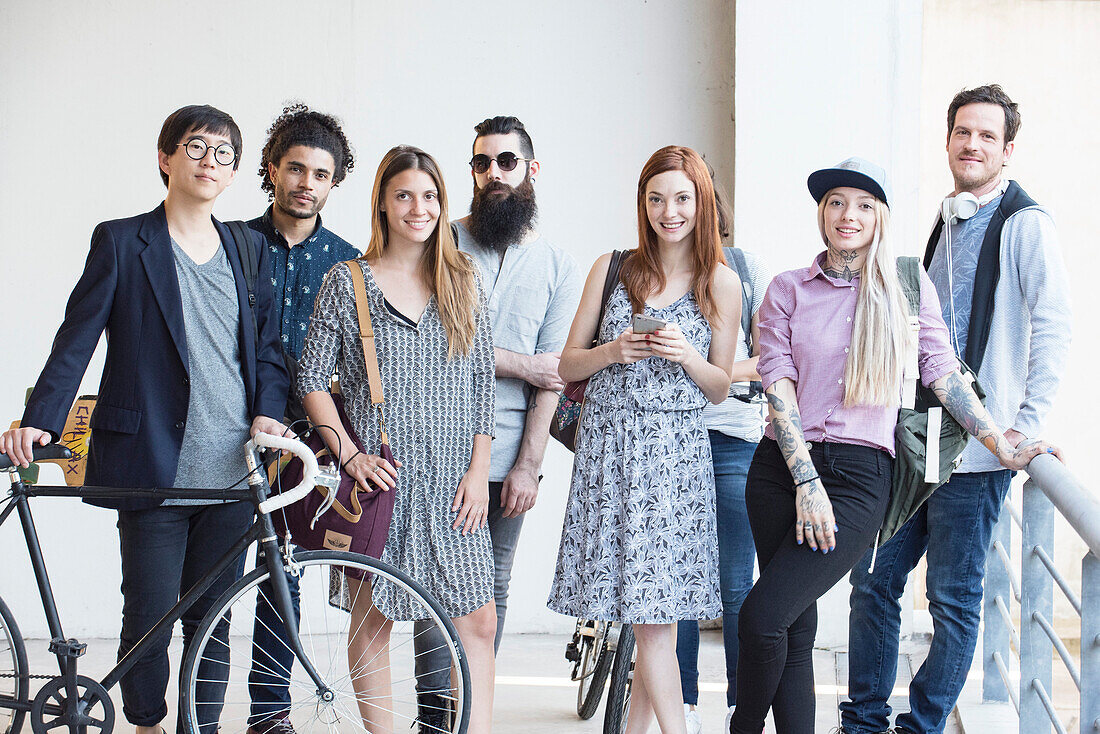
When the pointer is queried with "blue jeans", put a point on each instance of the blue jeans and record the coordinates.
(954, 527)
(272, 660)
(736, 555)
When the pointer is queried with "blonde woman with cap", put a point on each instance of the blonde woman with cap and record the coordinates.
(834, 338)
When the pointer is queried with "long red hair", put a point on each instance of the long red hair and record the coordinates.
(642, 274)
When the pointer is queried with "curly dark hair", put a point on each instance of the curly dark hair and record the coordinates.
(299, 125)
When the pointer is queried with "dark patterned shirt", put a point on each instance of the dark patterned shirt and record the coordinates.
(296, 275)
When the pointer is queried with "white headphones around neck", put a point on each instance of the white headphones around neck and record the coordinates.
(966, 205)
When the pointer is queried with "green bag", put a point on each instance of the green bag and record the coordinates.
(914, 480)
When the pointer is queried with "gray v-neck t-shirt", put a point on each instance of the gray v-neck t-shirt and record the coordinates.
(212, 454)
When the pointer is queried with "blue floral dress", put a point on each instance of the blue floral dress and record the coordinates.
(639, 542)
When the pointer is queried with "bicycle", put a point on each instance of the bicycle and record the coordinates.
(321, 684)
(591, 651)
(599, 649)
(622, 680)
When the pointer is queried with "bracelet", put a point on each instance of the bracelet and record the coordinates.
(342, 466)
(807, 481)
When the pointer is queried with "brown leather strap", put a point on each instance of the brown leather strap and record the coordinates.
(366, 335)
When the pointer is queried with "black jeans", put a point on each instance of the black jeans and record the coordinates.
(165, 550)
(779, 617)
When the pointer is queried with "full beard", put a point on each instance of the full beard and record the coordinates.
(499, 221)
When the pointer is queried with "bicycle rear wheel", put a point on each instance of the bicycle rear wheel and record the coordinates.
(324, 630)
(14, 683)
(622, 676)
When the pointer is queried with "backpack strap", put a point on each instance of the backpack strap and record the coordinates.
(614, 268)
(735, 258)
(250, 265)
(366, 336)
(909, 278)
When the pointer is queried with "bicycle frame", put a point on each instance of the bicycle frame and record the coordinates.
(67, 651)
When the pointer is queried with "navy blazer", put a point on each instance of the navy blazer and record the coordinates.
(129, 288)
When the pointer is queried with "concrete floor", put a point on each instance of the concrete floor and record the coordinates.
(534, 694)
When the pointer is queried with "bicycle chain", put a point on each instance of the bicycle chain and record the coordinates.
(36, 677)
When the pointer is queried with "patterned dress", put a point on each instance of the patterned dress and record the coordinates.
(434, 407)
(639, 543)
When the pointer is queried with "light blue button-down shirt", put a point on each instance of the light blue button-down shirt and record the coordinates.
(533, 295)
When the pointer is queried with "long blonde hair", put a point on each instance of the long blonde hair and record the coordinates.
(881, 338)
(447, 271)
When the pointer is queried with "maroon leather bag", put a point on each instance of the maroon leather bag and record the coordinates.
(359, 519)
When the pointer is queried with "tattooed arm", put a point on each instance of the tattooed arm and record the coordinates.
(811, 503)
(959, 399)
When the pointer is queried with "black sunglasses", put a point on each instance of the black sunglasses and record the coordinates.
(506, 160)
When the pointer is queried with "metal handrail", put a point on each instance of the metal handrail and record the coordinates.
(1078, 505)
(1071, 597)
(1051, 487)
(1060, 648)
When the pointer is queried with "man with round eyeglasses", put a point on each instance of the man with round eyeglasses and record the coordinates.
(190, 374)
(533, 288)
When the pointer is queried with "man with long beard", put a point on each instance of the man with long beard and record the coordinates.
(533, 289)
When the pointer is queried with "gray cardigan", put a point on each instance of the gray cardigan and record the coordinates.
(1029, 333)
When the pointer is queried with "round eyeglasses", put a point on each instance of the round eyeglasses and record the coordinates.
(196, 150)
(506, 160)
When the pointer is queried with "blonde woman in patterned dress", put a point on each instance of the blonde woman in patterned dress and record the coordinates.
(639, 543)
(435, 354)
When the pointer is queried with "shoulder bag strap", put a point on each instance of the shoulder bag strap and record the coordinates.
(366, 335)
(909, 278)
(735, 258)
(249, 266)
(609, 282)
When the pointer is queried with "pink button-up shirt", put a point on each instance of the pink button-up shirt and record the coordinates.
(805, 334)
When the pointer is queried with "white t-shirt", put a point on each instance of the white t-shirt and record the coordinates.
(732, 416)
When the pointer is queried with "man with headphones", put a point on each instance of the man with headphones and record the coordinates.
(995, 260)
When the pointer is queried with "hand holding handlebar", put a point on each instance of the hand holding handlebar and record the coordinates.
(19, 444)
(309, 468)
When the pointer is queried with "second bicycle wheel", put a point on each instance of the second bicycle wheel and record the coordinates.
(368, 678)
(622, 678)
(13, 672)
(593, 666)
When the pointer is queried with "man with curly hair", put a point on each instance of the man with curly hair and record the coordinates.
(305, 157)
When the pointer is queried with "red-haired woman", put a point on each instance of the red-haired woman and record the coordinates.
(639, 543)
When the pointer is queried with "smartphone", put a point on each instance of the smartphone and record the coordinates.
(646, 324)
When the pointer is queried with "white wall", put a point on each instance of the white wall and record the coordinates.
(87, 85)
(816, 83)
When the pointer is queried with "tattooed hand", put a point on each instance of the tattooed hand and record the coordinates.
(813, 517)
(958, 397)
(1018, 458)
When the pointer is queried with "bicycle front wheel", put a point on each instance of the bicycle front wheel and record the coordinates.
(13, 672)
(368, 681)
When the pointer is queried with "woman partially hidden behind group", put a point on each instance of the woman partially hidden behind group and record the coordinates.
(435, 355)
(639, 543)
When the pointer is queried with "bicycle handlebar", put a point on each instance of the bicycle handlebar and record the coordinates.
(50, 451)
(309, 468)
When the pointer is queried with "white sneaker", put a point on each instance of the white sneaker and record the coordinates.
(729, 721)
(691, 718)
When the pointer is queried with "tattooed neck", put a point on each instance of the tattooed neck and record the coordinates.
(838, 264)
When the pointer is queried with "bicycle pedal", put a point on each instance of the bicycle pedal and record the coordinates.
(70, 648)
(572, 654)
